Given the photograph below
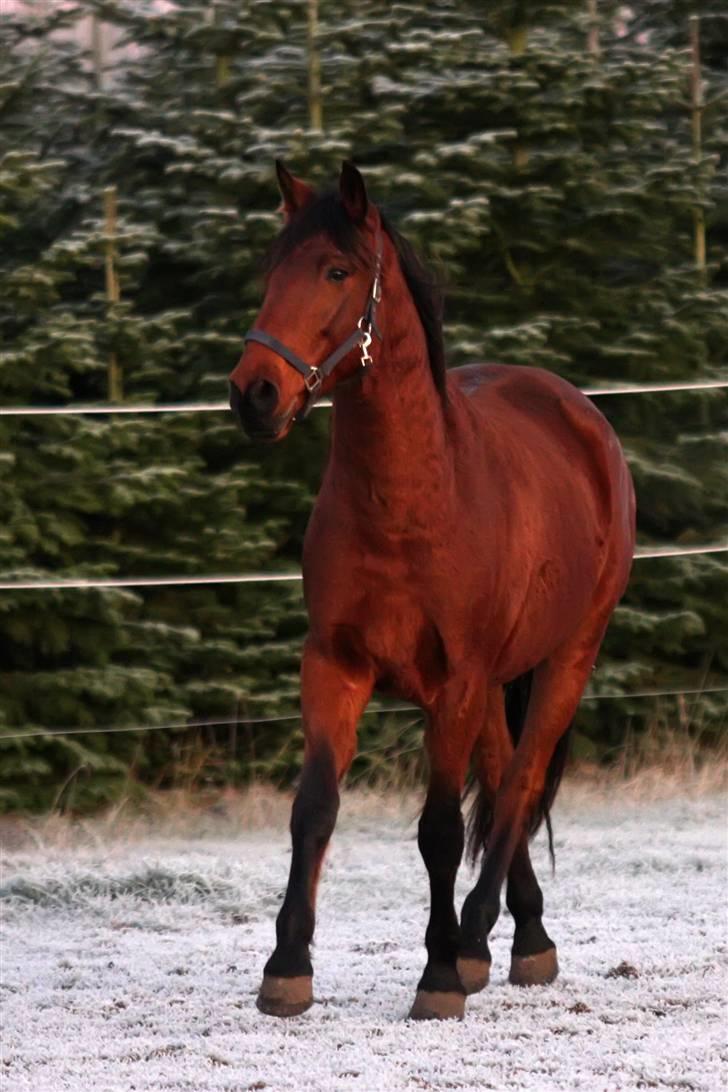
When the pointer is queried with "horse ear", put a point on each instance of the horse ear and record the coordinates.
(353, 192)
(294, 192)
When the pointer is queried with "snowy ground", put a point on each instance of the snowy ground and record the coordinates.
(133, 963)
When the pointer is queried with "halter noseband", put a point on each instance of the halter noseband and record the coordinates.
(315, 374)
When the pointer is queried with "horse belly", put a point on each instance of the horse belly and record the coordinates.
(548, 520)
(559, 595)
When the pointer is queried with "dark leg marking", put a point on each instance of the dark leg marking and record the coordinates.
(441, 837)
(533, 956)
(480, 912)
(287, 989)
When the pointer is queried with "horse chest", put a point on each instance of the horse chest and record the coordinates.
(392, 631)
(407, 649)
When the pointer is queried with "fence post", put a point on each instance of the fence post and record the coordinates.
(97, 51)
(592, 39)
(315, 104)
(113, 294)
(517, 40)
(696, 99)
(222, 60)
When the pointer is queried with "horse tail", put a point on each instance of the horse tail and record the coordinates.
(480, 820)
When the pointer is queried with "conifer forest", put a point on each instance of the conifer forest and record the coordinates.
(562, 166)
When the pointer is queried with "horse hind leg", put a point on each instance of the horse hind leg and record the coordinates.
(492, 752)
(534, 953)
(533, 956)
(556, 689)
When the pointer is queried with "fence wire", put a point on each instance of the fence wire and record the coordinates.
(219, 407)
(270, 578)
(71, 583)
(282, 718)
(253, 578)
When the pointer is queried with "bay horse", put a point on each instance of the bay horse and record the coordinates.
(473, 533)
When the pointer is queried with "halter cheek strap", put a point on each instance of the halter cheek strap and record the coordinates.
(315, 374)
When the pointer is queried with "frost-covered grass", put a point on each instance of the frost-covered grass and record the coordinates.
(132, 963)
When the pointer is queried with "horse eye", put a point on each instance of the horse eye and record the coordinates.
(337, 275)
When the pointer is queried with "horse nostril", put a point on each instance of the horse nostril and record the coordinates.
(262, 396)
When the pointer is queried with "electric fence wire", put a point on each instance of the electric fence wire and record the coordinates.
(70, 583)
(280, 719)
(219, 407)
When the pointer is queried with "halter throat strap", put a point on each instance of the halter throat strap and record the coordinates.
(315, 374)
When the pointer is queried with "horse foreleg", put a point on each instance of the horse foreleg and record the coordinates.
(332, 701)
(453, 728)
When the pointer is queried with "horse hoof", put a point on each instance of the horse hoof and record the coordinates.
(534, 970)
(473, 973)
(285, 996)
(438, 1005)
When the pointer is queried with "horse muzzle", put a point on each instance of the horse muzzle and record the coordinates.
(255, 409)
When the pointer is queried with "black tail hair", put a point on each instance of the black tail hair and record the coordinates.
(480, 820)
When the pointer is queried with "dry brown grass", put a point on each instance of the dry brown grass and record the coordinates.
(660, 767)
(659, 764)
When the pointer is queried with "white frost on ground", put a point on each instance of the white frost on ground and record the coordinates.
(133, 965)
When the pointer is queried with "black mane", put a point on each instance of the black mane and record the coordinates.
(326, 215)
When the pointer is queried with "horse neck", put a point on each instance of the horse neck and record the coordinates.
(389, 440)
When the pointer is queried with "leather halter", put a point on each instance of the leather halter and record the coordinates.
(315, 374)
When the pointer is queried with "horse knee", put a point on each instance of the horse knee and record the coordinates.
(316, 806)
(441, 832)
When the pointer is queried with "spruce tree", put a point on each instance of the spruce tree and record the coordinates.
(126, 495)
(546, 165)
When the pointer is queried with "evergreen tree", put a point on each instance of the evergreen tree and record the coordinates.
(561, 203)
(91, 496)
(554, 183)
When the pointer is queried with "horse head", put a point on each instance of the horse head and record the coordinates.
(318, 315)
